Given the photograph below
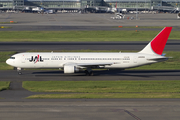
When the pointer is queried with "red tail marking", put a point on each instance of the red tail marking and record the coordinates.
(159, 42)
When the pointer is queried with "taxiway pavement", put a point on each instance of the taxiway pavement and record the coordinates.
(18, 94)
(172, 45)
(133, 109)
(76, 19)
(76, 28)
(56, 75)
(15, 106)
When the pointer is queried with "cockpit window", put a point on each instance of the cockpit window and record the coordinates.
(12, 58)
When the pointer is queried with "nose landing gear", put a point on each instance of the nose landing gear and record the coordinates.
(19, 71)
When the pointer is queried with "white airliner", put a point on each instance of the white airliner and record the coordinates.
(73, 62)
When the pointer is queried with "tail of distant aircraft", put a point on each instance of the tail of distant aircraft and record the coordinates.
(156, 46)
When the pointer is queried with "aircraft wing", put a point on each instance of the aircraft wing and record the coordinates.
(93, 64)
(90, 64)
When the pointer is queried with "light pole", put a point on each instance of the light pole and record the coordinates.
(145, 6)
(136, 10)
(63, 5)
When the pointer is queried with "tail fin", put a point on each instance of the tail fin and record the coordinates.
(156, 46)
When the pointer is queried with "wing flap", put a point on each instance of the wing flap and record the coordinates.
(93, 64)
(89, 64)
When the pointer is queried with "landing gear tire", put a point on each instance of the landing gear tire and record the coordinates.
(91, 73)
(19, 73)
(88, 73)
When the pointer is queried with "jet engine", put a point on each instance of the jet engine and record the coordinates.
(70, 69)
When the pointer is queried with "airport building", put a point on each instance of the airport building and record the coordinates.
(80, 4)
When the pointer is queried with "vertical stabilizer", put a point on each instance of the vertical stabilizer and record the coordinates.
(156, 46)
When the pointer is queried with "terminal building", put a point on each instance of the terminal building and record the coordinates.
(93, 4)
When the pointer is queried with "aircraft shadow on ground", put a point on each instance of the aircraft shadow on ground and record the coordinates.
(135, 73)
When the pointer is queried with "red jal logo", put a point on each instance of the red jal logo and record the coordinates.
(36, 59)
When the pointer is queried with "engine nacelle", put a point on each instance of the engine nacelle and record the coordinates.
(70, 69)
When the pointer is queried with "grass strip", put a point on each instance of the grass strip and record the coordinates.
(105, 95)
(83, 36)
(4, 85)
(3, 57)
(105, 89)
(103, 86)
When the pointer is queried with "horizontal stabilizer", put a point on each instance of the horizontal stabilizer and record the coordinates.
(158, 59)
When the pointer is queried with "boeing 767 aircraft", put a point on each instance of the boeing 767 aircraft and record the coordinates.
(73, 62)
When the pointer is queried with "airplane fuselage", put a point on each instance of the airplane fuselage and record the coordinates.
(58, 60)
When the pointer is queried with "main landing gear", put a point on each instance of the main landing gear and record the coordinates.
(89, 72)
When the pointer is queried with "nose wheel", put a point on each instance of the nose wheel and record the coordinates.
(19, 73)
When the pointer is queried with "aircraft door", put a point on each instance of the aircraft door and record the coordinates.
(135, 59)
(23, 59)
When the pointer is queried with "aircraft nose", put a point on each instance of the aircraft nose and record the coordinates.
(8, 61)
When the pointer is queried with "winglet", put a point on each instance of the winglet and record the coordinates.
(158, 43)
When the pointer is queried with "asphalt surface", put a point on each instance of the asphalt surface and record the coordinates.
(135, 109)
(15, 106)
(76, 28)
(17, 93)
(76, 19)
(56, 75)
(172, 45)
(72, 28)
